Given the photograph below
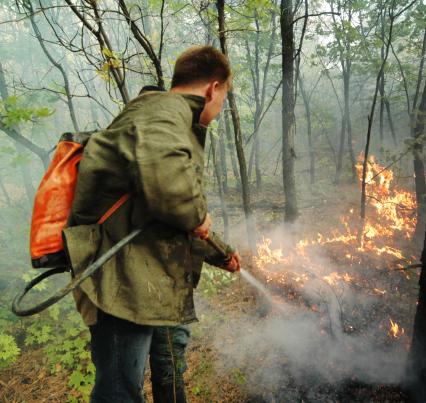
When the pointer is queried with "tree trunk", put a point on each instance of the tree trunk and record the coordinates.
(339, 166)
(370, 123)
(390, 120)
(382, 77)
(288, 103)
(251, 235)
(348, 121)
(419, 171)
(309, 126)
(416, 369)
(229, 143)
(219, 176)
(257, 163)
(222, 156)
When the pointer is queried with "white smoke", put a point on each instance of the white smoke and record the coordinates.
(342, 340)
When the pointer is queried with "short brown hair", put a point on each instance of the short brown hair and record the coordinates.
(201, 63)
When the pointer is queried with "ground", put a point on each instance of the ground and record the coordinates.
(229, 310)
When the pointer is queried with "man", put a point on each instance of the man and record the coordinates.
(153, 150)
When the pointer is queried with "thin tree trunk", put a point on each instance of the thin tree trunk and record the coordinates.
(288, 121)
(309, 126)
(349, 124)
(222, 155)
(229, 143)
(251, 235)
(251, 161)
(339, 166)
(257, 163)
(382, 77)
(416, 369)
(390, 120)
(370, 123)
(419, 170)
(219, 177)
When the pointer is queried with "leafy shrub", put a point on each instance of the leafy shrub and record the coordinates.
(9, 350)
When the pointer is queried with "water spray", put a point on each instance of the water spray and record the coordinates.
(247, 276)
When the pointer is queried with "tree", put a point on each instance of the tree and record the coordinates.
(238, 136)
(288, 104)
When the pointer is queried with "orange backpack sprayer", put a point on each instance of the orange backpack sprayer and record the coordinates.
(52, 207)
(52, 203)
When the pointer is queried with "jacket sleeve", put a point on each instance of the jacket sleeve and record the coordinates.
(167, 176)
(211, 255)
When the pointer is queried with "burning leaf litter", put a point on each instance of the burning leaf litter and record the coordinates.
(390, 220)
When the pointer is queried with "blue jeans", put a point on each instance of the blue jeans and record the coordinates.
(168, 364)
(119, 352)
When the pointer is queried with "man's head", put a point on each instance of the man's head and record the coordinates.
(204, 71)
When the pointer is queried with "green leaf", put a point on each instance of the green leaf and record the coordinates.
(76, 379)
(9, 350)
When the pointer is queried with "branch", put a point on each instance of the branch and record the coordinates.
(314, 15)
(19, 138)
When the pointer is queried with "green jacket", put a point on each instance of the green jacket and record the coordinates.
(154, 150)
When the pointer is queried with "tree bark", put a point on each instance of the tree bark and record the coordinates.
(382, 77)
(229, 142)
(309, 127)
(370, 123)
(222, 156)
(390, 120)
(251, 235)
(219, 177)
(349, 123)
(416, 369)
(419, 170)
(288, 104)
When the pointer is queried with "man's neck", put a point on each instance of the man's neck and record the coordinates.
(200, 91)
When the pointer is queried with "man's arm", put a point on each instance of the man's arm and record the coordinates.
(229, 261)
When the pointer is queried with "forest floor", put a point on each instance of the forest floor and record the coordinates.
(225, 366)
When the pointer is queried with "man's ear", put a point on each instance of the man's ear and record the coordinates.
(210, 92)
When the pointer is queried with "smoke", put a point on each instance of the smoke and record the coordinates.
(343, 339)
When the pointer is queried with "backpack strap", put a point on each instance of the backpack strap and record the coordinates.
(114, 207)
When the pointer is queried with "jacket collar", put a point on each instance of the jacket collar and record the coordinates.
(196, 103)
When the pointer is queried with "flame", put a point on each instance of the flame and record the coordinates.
(390, 218)
(379, 291)
(395, 331)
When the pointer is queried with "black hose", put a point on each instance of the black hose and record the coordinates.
(75, 282)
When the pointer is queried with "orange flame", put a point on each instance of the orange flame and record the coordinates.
(395, 331)
(390, 217)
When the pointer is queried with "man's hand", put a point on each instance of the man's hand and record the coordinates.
(234, 263)
(202, 231)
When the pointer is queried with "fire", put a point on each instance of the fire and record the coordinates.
(395, 331)
(390, 218)
(379, 291)
(333, 278)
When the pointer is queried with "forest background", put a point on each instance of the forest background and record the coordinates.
(318, 85)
